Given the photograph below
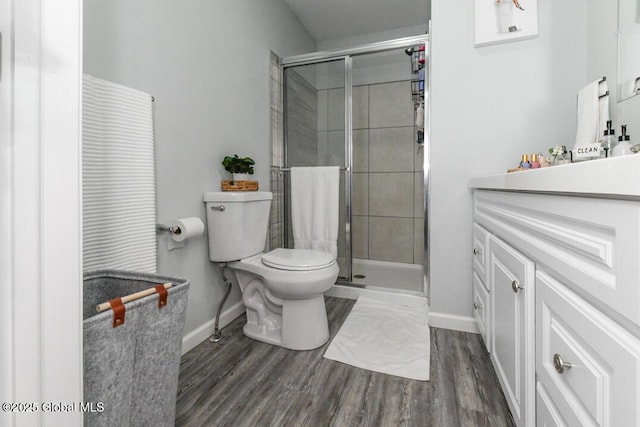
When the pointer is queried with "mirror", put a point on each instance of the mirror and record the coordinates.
(628, 43)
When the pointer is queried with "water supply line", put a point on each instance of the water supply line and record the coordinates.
(217, 335)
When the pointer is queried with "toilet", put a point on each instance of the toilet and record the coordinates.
(282, 290)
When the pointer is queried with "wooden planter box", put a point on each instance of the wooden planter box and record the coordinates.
(230, 185)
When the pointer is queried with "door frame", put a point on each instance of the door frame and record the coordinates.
(40, 214)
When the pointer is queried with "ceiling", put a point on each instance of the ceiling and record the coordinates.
(337, 19)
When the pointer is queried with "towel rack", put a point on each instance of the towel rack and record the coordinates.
(289, 169)
(602, 80)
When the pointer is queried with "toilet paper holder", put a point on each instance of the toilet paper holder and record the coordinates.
(166, 228)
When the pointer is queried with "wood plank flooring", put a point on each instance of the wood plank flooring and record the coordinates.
(243, 382)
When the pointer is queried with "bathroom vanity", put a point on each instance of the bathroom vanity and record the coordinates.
(556, 283)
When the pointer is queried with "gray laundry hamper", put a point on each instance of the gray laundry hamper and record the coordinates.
(131, 368)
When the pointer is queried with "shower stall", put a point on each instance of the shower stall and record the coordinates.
(365, 110)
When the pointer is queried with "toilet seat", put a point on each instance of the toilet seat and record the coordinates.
(297, 259)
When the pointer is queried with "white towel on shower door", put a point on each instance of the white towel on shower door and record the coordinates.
(314, 207)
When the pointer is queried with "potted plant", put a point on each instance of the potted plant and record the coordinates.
(240, 167)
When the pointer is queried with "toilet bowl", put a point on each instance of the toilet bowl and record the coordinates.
(282, 290)
(284, 306)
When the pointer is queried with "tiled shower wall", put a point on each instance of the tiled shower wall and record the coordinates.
(388, 196)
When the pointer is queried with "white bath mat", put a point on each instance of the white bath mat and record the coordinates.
(382, 337)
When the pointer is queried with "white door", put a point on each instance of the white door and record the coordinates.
(6, 348)
(40, 242)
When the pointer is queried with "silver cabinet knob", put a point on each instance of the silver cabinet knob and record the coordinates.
(477, 306)
(476, 251)
(516, 286)
(560, 364)
(220, 208)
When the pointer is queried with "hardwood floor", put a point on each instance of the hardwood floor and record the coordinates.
(243, 382)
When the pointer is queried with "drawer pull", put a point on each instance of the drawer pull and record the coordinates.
(477, 306)
(476, 251)
(560, 364)
(516, 286)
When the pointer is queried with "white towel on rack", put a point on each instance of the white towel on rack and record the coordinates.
(314, 207)
(119, 204)
(593, 112)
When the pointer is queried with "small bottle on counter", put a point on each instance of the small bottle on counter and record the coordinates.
(624, 144)
(608, 141)
(563, 158)
(534, 162)
(525, 162)
(542, 160)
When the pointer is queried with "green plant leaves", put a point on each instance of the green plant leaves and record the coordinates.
(237, 164)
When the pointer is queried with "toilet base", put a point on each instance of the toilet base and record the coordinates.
(308, 330)
(270, 336)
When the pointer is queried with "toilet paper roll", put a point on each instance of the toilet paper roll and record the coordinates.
(185, 228)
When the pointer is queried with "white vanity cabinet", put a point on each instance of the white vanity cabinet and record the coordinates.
(563, 277)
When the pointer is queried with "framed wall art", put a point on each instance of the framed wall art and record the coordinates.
(502, 21)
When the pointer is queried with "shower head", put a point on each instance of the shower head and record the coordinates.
(409, 51)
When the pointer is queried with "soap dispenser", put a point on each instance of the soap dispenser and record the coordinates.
(608, 142)
(624, 144)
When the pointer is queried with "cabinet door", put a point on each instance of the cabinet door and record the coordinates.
(589, 365)
(512, 350)
(482, 310)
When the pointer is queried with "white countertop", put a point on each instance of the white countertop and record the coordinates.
(613, 177)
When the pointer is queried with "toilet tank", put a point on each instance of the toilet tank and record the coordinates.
(237, 223)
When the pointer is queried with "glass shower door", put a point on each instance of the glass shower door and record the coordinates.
(317, 123)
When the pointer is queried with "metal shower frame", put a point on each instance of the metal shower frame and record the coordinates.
(346, 56)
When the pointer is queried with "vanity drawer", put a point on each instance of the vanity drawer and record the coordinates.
(592, 244)
(588, 364)
(480, 245)
(481, 309)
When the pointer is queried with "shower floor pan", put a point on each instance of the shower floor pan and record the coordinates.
(385, 275)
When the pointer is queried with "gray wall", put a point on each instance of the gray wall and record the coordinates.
(489, 105)
(207, 64)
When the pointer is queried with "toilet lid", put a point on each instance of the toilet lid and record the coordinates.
(297, 259)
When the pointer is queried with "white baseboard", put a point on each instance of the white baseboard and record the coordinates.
(453, 322)
(201, 333)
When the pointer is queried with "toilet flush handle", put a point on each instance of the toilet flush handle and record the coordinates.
(218, 208)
